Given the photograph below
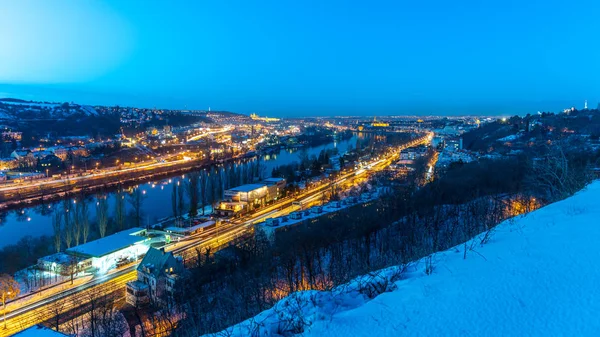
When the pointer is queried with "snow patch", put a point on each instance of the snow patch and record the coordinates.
(509, 138)
(89, 110)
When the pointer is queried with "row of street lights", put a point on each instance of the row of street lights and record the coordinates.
(4, 305)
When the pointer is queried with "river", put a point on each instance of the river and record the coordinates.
(37, 220)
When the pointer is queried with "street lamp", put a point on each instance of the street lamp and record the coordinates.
(4, 305)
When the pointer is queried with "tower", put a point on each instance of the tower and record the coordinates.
(585, 105)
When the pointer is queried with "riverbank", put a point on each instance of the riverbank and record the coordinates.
(53, 191)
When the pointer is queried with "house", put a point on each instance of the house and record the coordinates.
(49, 162)
(78, 151)
(64, 264)
(60, 151)
(275, 187)
(156, 277)
(41, 154)
(8, 163)
(8, 136)
(21, 154)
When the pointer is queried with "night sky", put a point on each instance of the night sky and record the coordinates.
(301, 58)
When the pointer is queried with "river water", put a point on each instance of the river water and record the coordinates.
(37, 220)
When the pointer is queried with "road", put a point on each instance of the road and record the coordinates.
(13, 193)
(204, 134)
(46, 308)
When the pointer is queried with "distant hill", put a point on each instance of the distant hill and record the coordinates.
(11, 108)
(38, 119)
(16, 100)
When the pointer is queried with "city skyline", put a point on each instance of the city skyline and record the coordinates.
(290, 60)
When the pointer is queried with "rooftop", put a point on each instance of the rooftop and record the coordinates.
(157, 260)
(189, 229)
(109, 244)
(328, 208)
(247, 187)
(60, 258)
(273, 180)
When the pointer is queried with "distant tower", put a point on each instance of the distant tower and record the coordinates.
(208, 109)
(585, 105)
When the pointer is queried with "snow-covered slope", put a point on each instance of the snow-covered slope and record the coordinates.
(539, 275)
(10, 109)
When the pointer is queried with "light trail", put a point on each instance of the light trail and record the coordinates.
(43, 310)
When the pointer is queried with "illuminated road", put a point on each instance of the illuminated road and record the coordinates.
(202, 135)
(22, 192)
(46, 308)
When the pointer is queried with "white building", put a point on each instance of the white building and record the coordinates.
(64, 264)
(107, 251)
(250, 193)
(256, 194)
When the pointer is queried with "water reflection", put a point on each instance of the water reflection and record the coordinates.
(37, 220)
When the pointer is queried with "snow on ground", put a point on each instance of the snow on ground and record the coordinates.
(4, 115)
(89, 110)
(509, 138)
(33, 104)
(26, 296)
(538, 276)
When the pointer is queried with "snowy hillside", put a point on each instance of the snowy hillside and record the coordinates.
(537, 276)
(11, 109)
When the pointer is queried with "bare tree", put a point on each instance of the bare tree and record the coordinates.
(93, 297)
(180, 200)
(553, 175)
(56, 226)
(85, 221)
(56, 309)
(136, 199)
(203, 183)
(111, 321)
(68, 231)
(192, 187)
(174, 200)
(72, 267)
(77, 222)
(120, 209)
(9, 289)
(102, 215)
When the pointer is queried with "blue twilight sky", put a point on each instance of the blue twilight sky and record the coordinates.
(299, 58)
